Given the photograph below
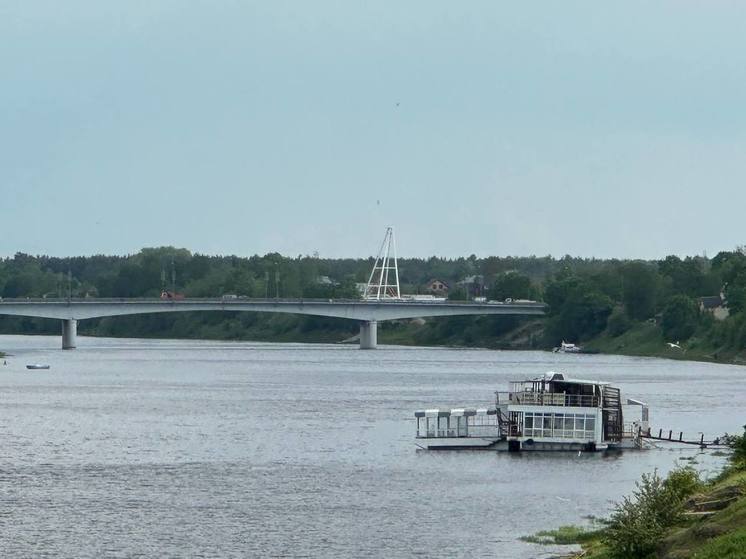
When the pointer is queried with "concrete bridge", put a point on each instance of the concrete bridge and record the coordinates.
(367, 313)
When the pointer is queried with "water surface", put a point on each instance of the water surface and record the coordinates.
(137, 448)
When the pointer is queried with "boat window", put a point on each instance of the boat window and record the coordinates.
(559, 421)
(562, 426)
(590, 423)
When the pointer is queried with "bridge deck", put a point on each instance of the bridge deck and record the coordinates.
(80, 309)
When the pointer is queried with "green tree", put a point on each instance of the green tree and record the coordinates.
(640, 290)
(618, 322)
(686, 276)
(511, 285)
(577, 310)
(679, 318)
(457, 294)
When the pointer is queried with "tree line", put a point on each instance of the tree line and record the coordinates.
(587, 297)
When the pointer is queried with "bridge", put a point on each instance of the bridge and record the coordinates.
(367, 312)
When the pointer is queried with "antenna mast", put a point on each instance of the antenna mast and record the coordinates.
(384, 285)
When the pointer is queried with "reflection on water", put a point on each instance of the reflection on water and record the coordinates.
(214, 449)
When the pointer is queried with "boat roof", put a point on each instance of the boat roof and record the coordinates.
(553, 376)
(436, 412)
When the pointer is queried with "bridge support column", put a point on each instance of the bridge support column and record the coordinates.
(369, 334)
(69, 333)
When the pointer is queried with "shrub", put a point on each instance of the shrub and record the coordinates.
(738, 444)
(683, 482)
(639, 521)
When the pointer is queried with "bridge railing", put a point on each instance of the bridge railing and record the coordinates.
(241, 299)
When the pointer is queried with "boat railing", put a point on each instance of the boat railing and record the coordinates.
(491, 430)
(552, 399)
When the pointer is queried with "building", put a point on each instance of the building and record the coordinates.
(437, 287)
(715, 305)
(473, 286)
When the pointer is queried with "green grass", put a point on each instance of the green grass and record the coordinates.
(646, 339)
(728, 546)
(564, 535)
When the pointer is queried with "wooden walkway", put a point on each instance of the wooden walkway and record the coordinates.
(671, 438)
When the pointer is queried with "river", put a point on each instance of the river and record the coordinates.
(142, 448)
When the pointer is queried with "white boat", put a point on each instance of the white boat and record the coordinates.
(550, 412)
(568, 348)
(37, 366)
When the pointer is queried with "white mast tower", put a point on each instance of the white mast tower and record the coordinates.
(386, 268)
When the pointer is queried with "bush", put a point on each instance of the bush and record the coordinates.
(640, 520)
(738, 444)
(683, 482)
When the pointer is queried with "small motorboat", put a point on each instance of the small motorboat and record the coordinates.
(568, 348)
(35, 366)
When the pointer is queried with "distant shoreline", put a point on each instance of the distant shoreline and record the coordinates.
(598, 346)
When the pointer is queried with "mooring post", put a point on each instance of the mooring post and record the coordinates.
(702, 440)
(681, 434)
(670, 433)
(660, 433)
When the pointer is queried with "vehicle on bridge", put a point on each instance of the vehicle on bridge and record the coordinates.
(171, 296)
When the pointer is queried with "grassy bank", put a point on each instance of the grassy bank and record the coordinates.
(679, 517)
(712, 526)
(646, 339)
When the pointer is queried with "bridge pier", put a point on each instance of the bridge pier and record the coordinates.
(369, 334)
(69, 333)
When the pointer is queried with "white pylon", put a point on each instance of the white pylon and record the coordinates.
(379, 288)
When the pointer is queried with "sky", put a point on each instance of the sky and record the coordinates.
(591, 128)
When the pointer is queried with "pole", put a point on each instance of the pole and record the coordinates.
(173, 276)
(277, 280)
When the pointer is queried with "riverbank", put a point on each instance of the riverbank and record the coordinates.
(647, 340)
(712, 526)
(644, 339)
(679, 517)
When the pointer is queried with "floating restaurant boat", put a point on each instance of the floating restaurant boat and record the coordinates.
(550, 412)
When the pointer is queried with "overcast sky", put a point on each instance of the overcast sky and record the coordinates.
(494, 128)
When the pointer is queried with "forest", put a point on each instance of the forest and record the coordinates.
(625, 306)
